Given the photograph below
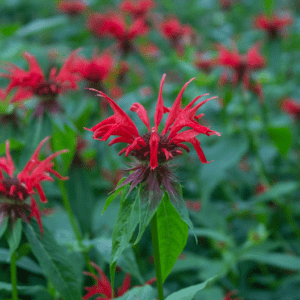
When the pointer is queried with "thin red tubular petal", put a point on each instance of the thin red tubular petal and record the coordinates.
(154, 142)
(159, 111)
(142, 113)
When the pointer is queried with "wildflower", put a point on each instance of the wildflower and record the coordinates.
(292, 107)
(241, 67)
(260, 189)
(113, 25)
(153, 150)
(273, 25)
(177, 34)
(204, 62)
(14, 190)
(103, 286)
(138, 8)
(72, 7)
(34, 82)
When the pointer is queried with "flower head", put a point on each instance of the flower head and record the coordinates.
(138, 8)
(113, 25)
(292, 107)
(240, 65)
(103, 286)
(71, 7)
(273, 25)
(14, 190)
(153, 150)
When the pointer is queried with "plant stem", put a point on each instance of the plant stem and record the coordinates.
(67, 206)
(13, 276)
(155, 245)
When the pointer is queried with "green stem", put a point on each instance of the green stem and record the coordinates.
(155, 244)
(13, 276)
(67, 206)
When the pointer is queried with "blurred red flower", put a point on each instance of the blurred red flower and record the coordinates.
(193, 205)
(114, 25)
(241, 67)
(205, 62)
(15, 190)
(71, 7)
(229, 295)
(138, 8)
(273, 25)
(103, 286)
(292, 107)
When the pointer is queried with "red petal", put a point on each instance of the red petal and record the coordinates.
(154, 141)
(125, 286)
(142, 113)
(160, 104)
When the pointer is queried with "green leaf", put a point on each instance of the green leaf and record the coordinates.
(126, 223)
(113, 196)
(282, 138)
(143, 293)
(54, 261)
(172, 235)
(213, 234)
(279, 260)
(13, 145)
(23, 290)
(269, 6)
(190, 292)
(148, 205)
(13, 236)
(3, 226)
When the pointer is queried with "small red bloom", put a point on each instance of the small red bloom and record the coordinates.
(94, 70)
(273, 25)
(176, 33)
(260, 189)
(103, 286)
(114, 25)
(292, 107)
(204, 62)
(193, 205)
(72, 7)
(15, 190)
(152, 149)
(138, 8)
(241, 65)
(229, 295)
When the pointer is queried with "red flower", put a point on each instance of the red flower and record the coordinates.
(15, 190)
(138, 8)
(204, 62)
(176, 33)
(193, 205)
(153, 150)
(229, 295)
(241, 65)
(113, 25)
(94, 70)
(72, 7)
(292, 107)
(103, 286)
(261, 188)
(273, 25)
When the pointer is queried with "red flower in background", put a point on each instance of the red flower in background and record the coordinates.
(292, 107)
(138, 8)
(229, 295)
(15, 190)
(95, 69)
(241, 67)
(34, 82)
(273, 25)
(153, 150)
(72, 7)
(204, 62)
(114, 25)
(177, 34)
(103, 286)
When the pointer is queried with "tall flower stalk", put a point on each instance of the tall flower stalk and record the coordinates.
(152, 180)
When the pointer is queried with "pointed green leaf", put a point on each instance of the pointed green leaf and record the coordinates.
(113, 196)
(126, 223)
(172, 235)
(54, 261)
(13, 236)
(190, 292)
(3, 226)
(282, 138)
(23, 290)
(149, 203)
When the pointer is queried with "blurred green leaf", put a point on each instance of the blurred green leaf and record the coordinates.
(13, 236)
(143, 293)
(3, 226)
(282, 138)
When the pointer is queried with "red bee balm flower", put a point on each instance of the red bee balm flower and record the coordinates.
(34, 81)
(103, 286)
(15, 190)
(72, 7)
(242, 66)
(273, 25)
(153, 150)
(114, 25)
(138, 9)
(292, 107)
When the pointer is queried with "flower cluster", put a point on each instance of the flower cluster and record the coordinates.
(137, 9)
(14, 190)
(153, 150)
(72, 7)
(292, 107)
